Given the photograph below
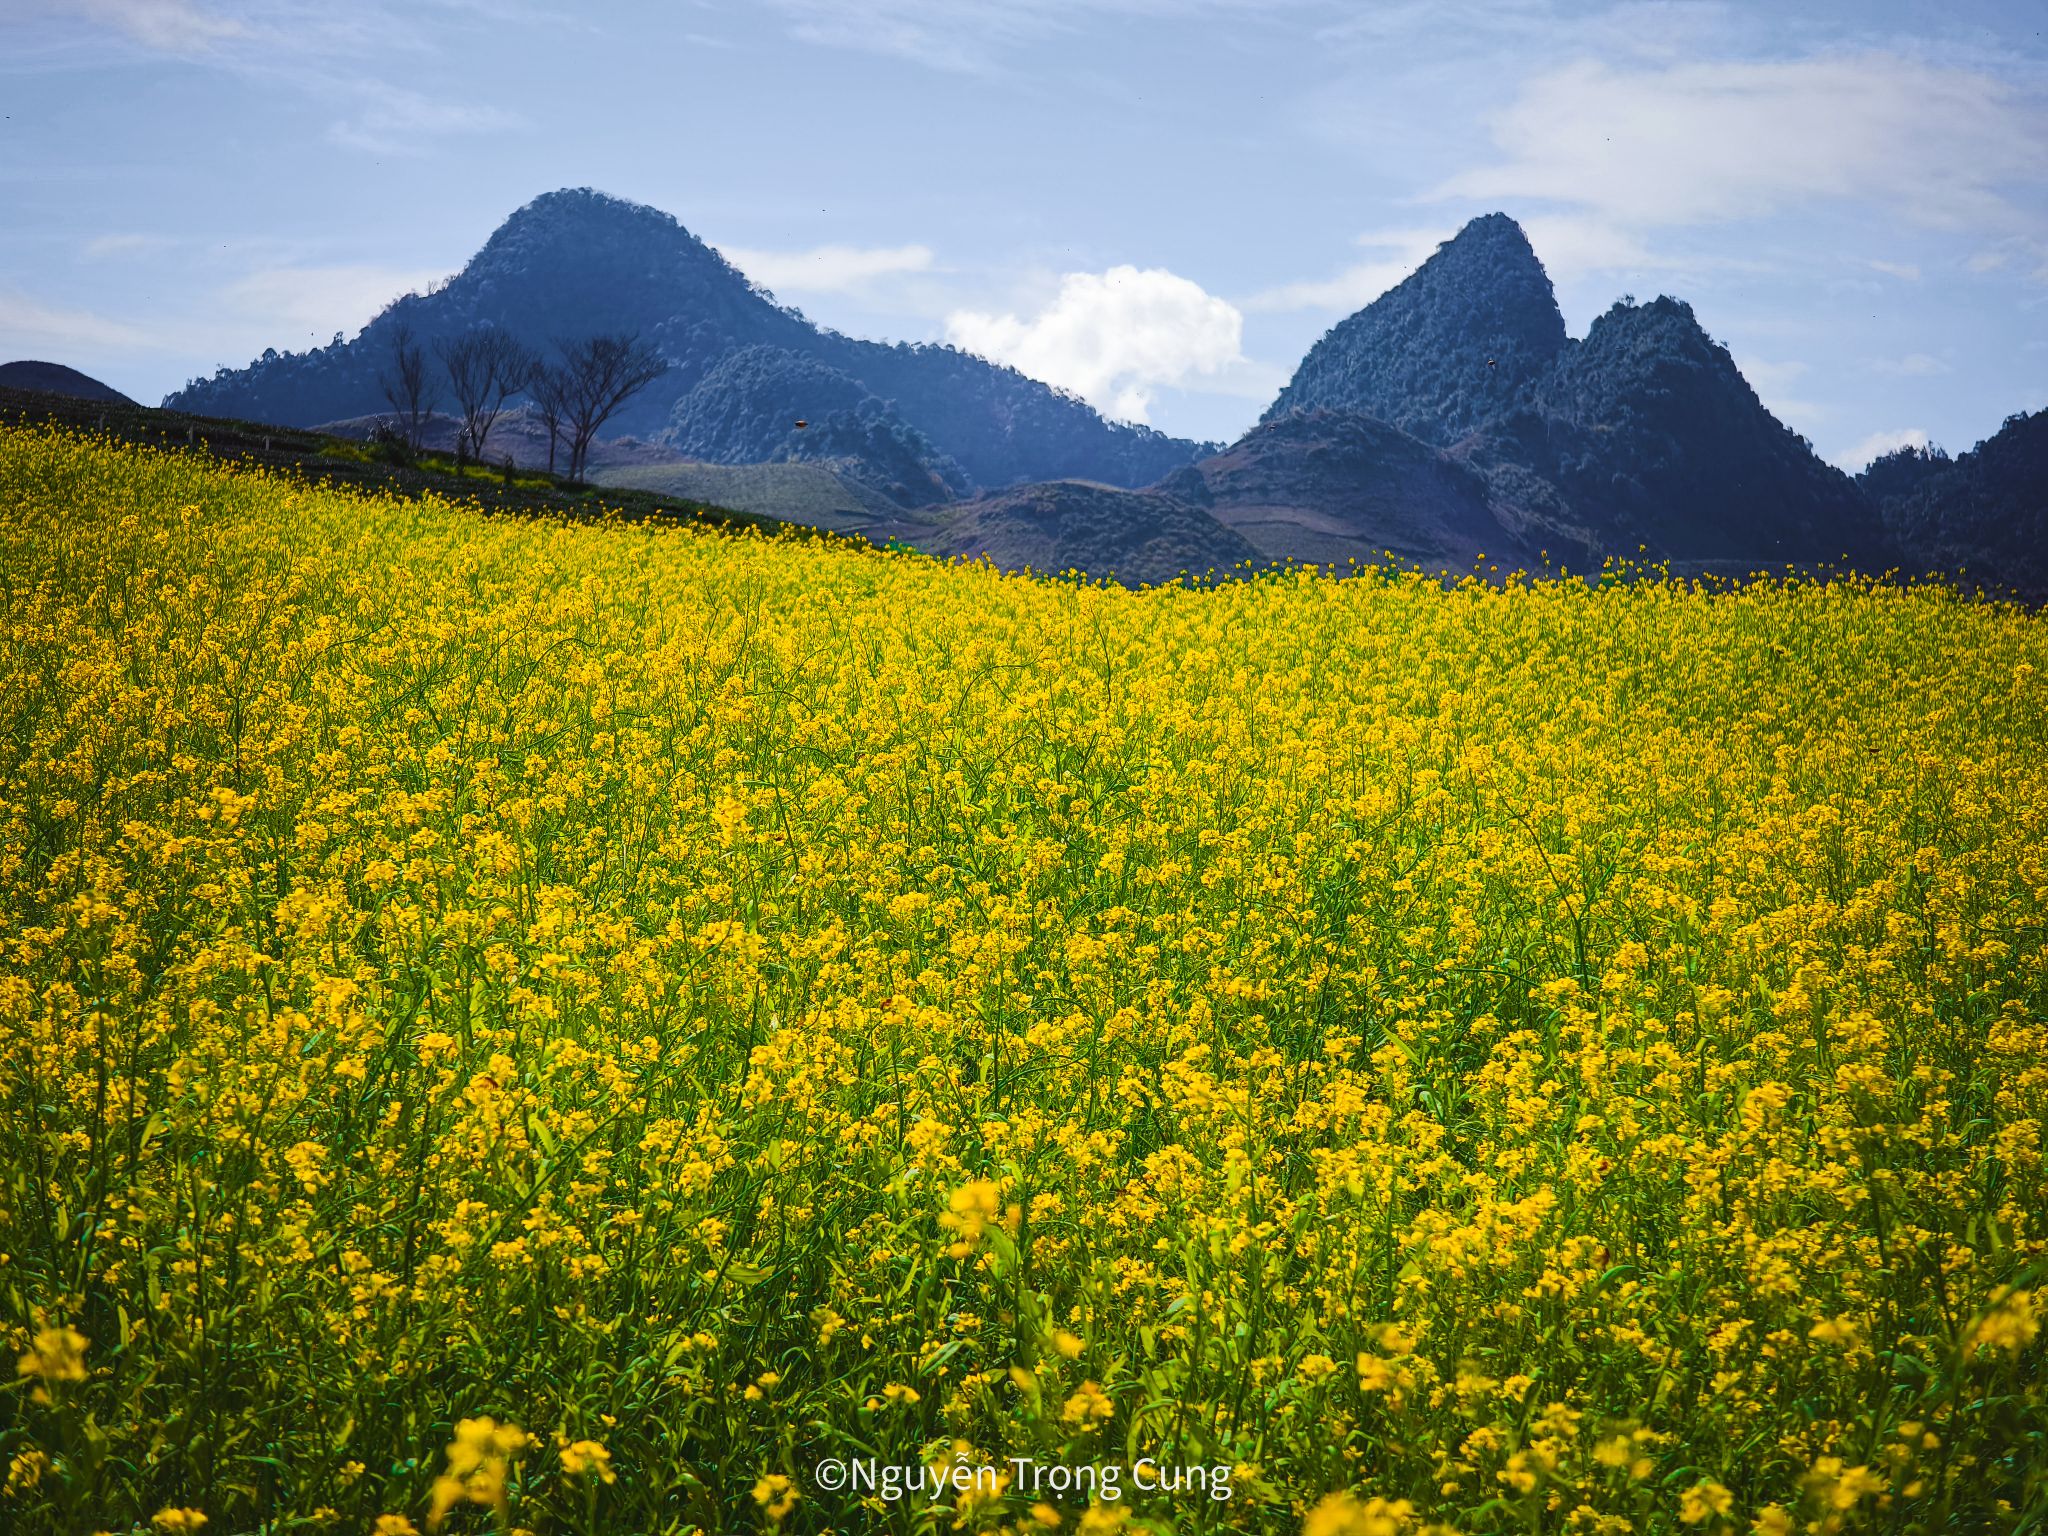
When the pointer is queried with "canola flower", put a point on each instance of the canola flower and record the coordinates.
(1549, 1057)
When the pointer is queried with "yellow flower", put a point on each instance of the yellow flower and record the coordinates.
(1773, 1520)
(776, 1495)
(1089, 1407)
(58, 1354)
(1703, 1502)
(900, 1395)
(969, 1211)
(2012, 1322)
(587, 1458)
(1316, 1369)
(393, 1525)
(1344, 1514)
(478, 1462)
(177, 1522)
(26, 1469)
(1069, 1345)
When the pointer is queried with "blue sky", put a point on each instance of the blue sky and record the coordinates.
(1159, 203)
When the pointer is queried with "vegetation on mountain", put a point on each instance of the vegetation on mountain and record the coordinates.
(1647, 435)
(1897, 474)
(1985, 514)
(1456, 344)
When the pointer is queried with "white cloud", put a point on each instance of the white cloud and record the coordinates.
(108, 247)
(1877, 445)
(1698, 143)
(171, 26)
(1773, 381)
(55, 333)
(289, 305)
(394, 121)
(1114, 337)
(828, 268)
(1914, 365)
(968, 35)
(1905, 271)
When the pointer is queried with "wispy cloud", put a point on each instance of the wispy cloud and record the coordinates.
(1706, 142)
(113, 247)
(293, 304)
(1858, 457)
(1914, 365)
(168, 26)
(389, 120)
(972, 35)
(29, 328)
(1396, 253)
(1114, 337)
(828, 268)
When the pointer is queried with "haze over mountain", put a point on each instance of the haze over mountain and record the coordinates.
(573, 263)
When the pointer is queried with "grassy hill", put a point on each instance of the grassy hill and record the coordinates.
(325, 459)
(580, 1027)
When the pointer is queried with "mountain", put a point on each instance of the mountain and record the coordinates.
(1139, 538)
(572, 263)
(56, 379)
(1986, 513)
(1647, 435)
(769, 405)
(1457, 344)
(1333, 486)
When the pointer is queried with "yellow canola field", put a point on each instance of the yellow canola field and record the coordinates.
(516, 1026)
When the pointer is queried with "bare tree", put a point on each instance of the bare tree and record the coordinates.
(407, 385)
(548, 388)
(486, 367)
(600, 374)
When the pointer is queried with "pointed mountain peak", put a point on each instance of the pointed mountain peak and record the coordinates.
(1456, 343)
(584, 216)
(1495, 230)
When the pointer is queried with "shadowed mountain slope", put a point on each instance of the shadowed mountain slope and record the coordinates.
(1646, 434)
(1334, 486)
(1987, 513)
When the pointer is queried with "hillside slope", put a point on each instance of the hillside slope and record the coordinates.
(56, 379)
